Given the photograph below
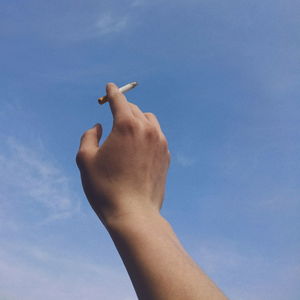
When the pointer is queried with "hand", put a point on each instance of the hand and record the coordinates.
(127, 173)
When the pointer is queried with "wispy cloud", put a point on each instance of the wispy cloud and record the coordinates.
(30, 179)
(78, 22)
(91, 25)
(34, 189)
(107, 24)
(184, 160)
(138, 3)
(30, 272)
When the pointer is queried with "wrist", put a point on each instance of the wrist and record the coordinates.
(144, 220)
(113, 211)
(123, 218)
(141, 228)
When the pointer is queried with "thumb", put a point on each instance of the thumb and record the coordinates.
(90, 139)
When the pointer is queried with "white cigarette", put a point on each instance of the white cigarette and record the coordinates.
(123, 89)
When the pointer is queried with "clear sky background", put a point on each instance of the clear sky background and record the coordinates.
(223, 79)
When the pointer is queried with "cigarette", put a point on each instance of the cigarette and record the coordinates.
(127, 87)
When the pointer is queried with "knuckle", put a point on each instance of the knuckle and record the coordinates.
(164, 143)
(150, 114)
(150, 132)
(126, 125)
(133, 105)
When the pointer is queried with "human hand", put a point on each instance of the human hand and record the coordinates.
(125, 175)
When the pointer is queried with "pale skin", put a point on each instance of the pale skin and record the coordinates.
(124, 180)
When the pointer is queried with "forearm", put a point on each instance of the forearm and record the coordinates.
(157, 264)
(124, 181)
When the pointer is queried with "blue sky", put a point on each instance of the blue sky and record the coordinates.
(222, 78)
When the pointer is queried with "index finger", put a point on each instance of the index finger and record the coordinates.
(118, 103)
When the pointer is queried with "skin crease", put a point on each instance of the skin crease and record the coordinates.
(124, 180)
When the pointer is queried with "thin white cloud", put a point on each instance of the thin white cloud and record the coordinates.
(32, 181)
(138, 3)
(31, 266)
(33, 273)
(78, 23)
(184, 160)
(107, 23)
(279, 200)
(92, 26)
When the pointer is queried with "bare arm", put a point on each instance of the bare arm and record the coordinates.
(124, 181)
